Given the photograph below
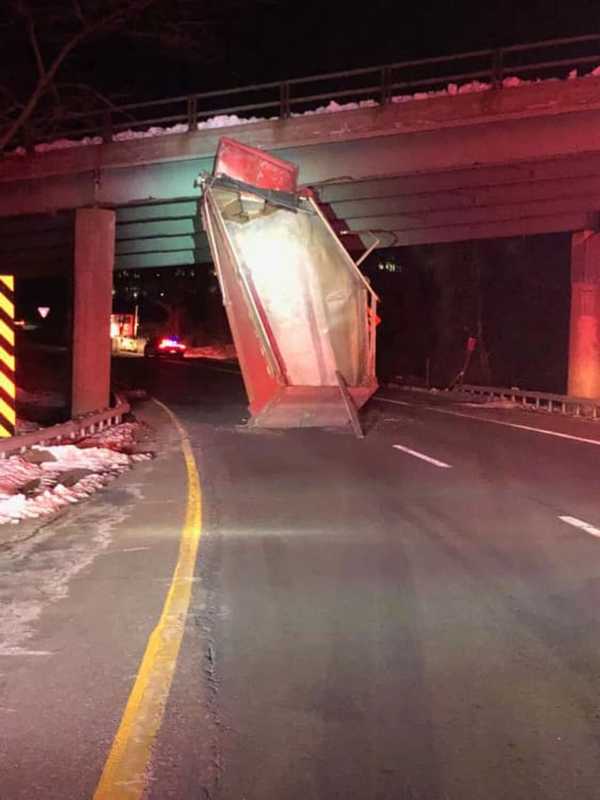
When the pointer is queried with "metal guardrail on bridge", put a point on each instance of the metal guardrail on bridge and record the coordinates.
(538, 401)
(280, 99)
(75, 428)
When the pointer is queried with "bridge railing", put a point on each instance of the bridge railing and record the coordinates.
(536, 401)
(77, 428)
(374, 85)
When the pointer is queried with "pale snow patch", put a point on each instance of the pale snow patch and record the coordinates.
(69, 456)
(99, 455)
(15, 472)
(333, 108)
(220, 121)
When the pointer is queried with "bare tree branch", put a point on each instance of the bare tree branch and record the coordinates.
(25, 11)
(84, 88)
(109, 21)
(79, 11)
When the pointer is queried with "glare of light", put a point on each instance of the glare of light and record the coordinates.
(170, 344)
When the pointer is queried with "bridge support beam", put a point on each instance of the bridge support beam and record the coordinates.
(584, 345)
(92, 305)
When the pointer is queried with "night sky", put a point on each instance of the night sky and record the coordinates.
(234, 42)
(263, 41)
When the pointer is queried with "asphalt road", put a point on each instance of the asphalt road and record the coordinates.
(413, 615)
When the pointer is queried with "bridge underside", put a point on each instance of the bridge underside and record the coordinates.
(557, 195)
(486, 165)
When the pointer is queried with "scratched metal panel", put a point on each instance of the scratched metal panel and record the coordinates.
(314, 301)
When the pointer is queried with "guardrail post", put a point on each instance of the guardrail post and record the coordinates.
(386, 88)
(8, 417)
(107, 127)
(192, 113)
(497, 67)
(284, 100)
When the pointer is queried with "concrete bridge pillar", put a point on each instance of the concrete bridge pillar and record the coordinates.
(92, 305)
(584, 345)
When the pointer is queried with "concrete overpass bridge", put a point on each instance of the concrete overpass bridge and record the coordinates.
(501, 162)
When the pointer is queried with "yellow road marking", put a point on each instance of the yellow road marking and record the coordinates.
(125, 773)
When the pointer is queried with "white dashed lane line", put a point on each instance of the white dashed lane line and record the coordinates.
(582, 525)
(488, 420)
(422, 456)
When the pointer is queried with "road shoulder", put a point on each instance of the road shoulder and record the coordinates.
(89, 589)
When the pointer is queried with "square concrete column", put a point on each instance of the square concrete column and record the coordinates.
(92, 306)
(584, 344)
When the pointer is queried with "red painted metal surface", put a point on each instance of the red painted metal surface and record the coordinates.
(253, 166)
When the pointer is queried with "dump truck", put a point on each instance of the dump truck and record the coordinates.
(302, 315)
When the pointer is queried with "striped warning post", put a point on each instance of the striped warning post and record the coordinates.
(8, 393)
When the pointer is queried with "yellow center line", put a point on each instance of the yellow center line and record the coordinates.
(126, 769)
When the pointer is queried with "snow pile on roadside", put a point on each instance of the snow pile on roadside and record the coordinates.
(47, 479)
(228, 120)
(14, 473)
(123, 438)
(97, 459)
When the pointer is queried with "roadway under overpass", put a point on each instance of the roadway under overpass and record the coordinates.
(503, 162)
